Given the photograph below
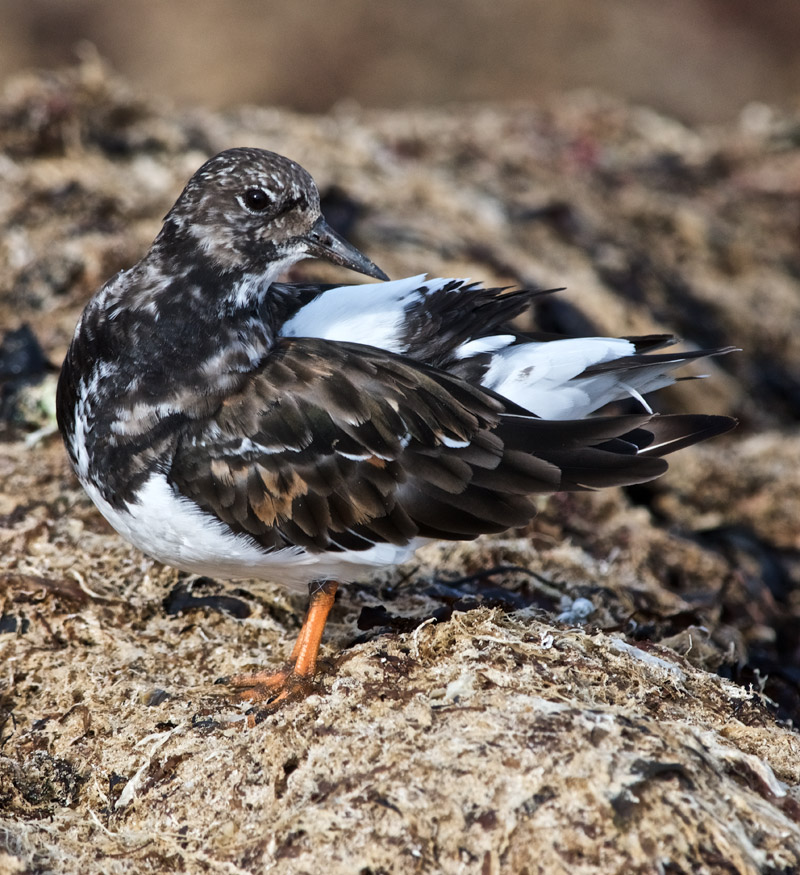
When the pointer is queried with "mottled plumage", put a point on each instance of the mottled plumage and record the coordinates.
(230, 424)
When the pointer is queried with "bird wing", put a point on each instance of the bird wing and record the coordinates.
(430, 320)
(338, 446)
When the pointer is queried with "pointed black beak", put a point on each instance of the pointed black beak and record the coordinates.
(324, 242)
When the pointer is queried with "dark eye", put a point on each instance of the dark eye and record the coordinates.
(256, 199)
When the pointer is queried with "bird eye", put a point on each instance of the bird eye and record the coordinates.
(256, 199)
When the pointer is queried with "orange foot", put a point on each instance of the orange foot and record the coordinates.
(295, 680)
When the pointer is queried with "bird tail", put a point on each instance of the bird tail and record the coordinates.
(609, 451)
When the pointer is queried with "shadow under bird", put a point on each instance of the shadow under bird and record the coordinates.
(234, 426)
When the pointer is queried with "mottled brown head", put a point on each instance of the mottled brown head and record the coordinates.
(255, 211)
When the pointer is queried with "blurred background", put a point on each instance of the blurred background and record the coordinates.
(699, 60)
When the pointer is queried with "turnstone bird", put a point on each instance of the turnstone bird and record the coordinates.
(231, 425)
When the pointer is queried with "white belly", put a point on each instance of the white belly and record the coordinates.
(172, 529)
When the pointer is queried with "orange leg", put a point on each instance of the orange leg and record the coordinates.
(295, 678)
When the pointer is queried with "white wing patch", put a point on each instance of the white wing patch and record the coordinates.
(453, 443)
(541, 377)
(483, 344)
(369, 313)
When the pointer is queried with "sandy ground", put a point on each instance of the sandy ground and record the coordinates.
(612, 690)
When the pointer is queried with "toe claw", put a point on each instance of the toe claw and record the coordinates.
(273, 690)
(261, 686)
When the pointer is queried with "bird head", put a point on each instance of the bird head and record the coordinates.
(257, 212)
